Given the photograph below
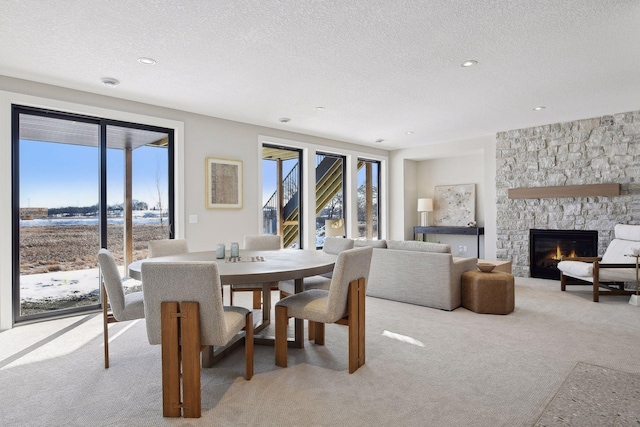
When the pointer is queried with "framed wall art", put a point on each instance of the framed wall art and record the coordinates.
(454, 205)
(224, 183)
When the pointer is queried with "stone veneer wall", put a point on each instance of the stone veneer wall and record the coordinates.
(592, 151)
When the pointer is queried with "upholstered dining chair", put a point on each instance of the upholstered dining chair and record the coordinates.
(166, 247)
(343, 303)
(332, 245)
(123, 307)
(257, 243)
(187, 296)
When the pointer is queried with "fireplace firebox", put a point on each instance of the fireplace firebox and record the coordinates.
(548, 247)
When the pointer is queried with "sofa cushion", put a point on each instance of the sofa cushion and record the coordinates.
(410, 245)
(373, 243)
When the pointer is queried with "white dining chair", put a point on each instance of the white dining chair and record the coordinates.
(184, 312)
(257, 243)
(166, 247)
(343, 303)
(123, 307)
(332, 245)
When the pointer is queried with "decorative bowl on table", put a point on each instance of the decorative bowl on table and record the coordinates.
(486, 267)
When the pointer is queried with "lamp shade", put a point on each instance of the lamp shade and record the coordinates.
(425, 205)
(334, 227)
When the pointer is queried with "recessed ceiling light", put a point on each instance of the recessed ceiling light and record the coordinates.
(319, 108)
(409, 132)
(146, 61)
(469, 63)
(110, 82)
(539, 108)
(285, 120)
(378, 141)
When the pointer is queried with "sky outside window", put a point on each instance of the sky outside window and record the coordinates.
(48, 169)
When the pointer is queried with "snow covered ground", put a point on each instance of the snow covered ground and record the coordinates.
(63, 284)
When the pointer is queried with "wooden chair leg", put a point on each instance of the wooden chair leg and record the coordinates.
(282, 320)
(190, 347)
(353, 326)
(105, 330)
(563, 282)
(257, 300)
(596, 282)
(170, 360)
(361, 321)
(248, 346)
(319, 333)
(311, 330)
(230, 295)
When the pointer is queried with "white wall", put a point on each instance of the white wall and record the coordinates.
(414, 173)
(198, 137)
(463, 169)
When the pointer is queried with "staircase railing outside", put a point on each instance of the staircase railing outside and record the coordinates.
(328, 179)
(270, 209)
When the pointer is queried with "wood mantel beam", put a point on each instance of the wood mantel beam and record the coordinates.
(587, 190)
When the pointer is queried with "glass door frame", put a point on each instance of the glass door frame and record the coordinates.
(345, 197)
(16, 111)
(378, 183)
(301, 189)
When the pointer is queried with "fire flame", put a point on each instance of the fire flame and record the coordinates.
(558, 255)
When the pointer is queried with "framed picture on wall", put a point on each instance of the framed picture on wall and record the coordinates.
(454, 205)
(224, 183)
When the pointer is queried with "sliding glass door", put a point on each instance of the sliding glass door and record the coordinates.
(79, 184)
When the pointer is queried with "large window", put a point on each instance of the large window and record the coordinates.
(330, 197)
(368, 200)
(345, 189)
(281, 194)
(79, 184)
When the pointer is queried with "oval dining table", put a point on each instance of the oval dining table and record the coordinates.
(259, 267)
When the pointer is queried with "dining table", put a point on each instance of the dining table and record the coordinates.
(264, 268)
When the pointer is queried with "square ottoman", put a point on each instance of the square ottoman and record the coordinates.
(488, 293)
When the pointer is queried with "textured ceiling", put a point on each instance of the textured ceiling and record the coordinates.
(379, 67)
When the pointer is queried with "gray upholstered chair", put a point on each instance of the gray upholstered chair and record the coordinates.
(343, 303)
(166, 247)
(188, 296)
(257, 243)
(332, 245)
(123, 307)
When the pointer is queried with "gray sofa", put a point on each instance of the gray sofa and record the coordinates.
(419, 273)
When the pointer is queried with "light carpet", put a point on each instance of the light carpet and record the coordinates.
(424, 367)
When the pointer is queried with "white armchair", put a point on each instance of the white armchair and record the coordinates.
(609, 271)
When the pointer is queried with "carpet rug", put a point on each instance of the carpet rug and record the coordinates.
(595, 396)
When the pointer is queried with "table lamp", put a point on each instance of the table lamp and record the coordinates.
(424, 207)
(334, 227)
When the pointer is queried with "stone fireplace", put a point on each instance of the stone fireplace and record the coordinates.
(600, 150)
(548, 247)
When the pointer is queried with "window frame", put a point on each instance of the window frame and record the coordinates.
(103, 123)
